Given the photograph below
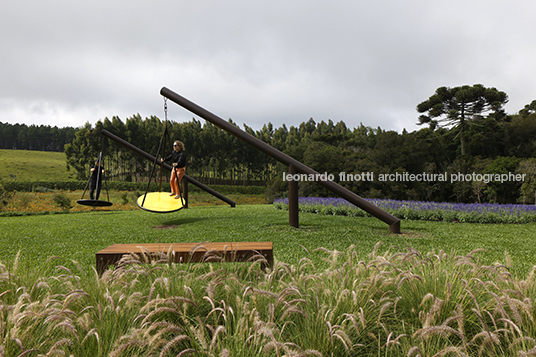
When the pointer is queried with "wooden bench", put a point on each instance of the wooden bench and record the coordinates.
(188, 252)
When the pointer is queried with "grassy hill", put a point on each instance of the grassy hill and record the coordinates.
(25, 165)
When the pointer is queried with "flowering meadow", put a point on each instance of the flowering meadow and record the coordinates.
(418, 210)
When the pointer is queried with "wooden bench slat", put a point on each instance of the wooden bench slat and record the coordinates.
(187, 252)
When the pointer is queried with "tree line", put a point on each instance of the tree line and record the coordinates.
(467, 132)
(33, 137)
(213, 155)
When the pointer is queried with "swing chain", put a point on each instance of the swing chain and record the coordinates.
(165, 108)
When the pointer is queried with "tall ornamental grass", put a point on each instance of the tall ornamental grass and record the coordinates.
(352, 303)
(419, 210)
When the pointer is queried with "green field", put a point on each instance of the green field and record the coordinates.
(25, 165)
(79, 236)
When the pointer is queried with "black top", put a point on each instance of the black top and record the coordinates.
(95, 172)
(178, 158)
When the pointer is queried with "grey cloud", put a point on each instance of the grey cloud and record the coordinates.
(66, 63)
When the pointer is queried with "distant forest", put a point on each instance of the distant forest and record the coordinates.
(33, 137)
(494, 143)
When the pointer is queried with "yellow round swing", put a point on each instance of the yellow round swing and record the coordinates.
(160, 202)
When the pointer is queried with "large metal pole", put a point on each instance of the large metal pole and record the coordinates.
(293, 206)
(168, 167)
(185, 190)
(392, 221)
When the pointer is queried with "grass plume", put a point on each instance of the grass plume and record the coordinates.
(402, 302)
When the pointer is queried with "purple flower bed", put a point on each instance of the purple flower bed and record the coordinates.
(440, 211)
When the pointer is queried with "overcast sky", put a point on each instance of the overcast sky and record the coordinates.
(65, 63)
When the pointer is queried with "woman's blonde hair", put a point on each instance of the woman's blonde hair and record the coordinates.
(180, 144)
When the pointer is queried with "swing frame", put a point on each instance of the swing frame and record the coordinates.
(92, 202)
(158, 198)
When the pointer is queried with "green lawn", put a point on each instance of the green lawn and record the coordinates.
(25, 165)
(79, 236)
(361, 303)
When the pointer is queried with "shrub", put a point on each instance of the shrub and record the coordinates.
(42, 186)
(24, 199)
(41, 189)
(62, 201)
(4, 196)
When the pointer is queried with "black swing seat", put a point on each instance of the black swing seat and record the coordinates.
(94, 203)
(91, 202)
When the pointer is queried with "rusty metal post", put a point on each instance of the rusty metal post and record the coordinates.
(293, 205)
(185, 190)
(392, 221)
(166, 166)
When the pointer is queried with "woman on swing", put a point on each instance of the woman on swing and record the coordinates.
(178, 158)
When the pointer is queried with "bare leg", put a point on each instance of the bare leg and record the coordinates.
(171, 182)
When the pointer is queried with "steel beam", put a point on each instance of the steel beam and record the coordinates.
(293, 204)
(392, 221)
